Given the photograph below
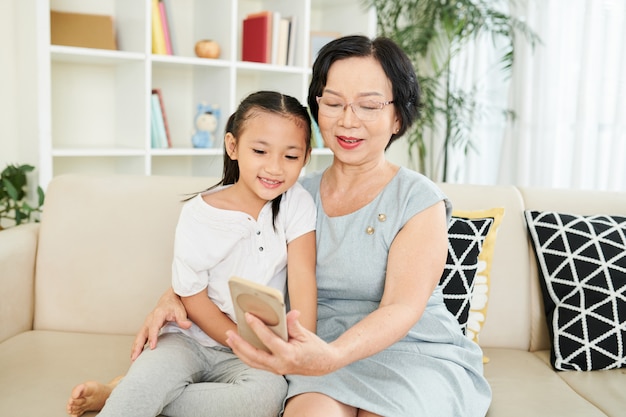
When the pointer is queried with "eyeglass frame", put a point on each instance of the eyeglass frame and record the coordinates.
(381, 103)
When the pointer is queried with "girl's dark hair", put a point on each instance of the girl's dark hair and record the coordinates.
(268, 102)
(395, 63)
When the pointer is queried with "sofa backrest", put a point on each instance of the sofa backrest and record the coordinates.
(106, 243)
(102, 234)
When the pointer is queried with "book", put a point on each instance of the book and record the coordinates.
(154, 132)
(166, 32)
(282, 42)
(170, 25)
(274, 37)
(257, 38)
(291, 43)
(82, 30)
(154, 139)
(157, 91)
(158, 39)
(160, 140)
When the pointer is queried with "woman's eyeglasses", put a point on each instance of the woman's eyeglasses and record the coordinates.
(366, 109)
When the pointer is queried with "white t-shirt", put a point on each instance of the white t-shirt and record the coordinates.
(212, 244)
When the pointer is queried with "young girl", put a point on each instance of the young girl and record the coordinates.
(257, 223)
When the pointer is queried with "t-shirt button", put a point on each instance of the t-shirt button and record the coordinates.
(258, 232)
(261, 249)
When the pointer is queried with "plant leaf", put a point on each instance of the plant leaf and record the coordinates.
(10, 189)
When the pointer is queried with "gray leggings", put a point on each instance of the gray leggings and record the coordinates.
(181, 378)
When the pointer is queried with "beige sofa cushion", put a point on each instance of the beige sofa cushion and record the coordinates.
(524, 385)
(601, 388)
(40, 368)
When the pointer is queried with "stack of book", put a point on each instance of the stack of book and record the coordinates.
(159, 130)
(162, 30)
(269, 38)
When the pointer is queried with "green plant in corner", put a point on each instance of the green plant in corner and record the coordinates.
(13, 197)
(433, 33)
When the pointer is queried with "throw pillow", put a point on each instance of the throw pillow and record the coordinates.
(582, 264)
(465, 241)
(482, 282)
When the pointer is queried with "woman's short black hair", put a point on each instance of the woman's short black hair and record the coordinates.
(395, 63)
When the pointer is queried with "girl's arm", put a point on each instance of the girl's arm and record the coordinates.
(421, 246)
(202, 311)
(301, 283)
(302, 293)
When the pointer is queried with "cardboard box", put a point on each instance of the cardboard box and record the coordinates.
(84, 30)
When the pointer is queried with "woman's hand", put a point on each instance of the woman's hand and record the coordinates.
(303, 354)
(169, 308)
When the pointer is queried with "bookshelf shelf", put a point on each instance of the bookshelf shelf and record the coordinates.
(109, 152)
(244, 67)
(187, 152)
(95, 104)
(174, 61)
(95, 56)
(190, 152)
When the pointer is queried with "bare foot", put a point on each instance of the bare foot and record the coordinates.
(89, 396)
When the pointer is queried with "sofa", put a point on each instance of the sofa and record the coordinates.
(76, 287)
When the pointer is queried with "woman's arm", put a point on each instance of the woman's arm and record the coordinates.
(301, 282)
(421, 246)
(416, 261)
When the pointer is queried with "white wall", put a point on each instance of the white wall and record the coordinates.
(9, 133)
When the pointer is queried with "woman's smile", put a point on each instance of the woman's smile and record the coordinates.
(348, 142)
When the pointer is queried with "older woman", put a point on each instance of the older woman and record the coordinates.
(386, 344)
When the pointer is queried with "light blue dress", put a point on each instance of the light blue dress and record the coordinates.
(435, 370)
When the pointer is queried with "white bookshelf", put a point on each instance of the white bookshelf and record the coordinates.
(94, 105)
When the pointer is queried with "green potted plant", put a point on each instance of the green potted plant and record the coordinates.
(432, 33)
(14, 206)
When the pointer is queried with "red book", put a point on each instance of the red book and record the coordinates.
(257, 38)
(157, 91)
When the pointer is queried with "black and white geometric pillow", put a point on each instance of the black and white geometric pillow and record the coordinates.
(465, 241)
(582, 263)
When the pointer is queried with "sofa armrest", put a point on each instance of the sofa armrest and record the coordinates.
(18, 251)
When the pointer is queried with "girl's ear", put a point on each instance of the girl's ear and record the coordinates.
(230, 143)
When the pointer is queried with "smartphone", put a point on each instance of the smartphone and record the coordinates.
(264, 302)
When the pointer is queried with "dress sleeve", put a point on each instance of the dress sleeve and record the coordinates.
(420, 193)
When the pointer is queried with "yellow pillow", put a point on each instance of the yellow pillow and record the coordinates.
(480, 293)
